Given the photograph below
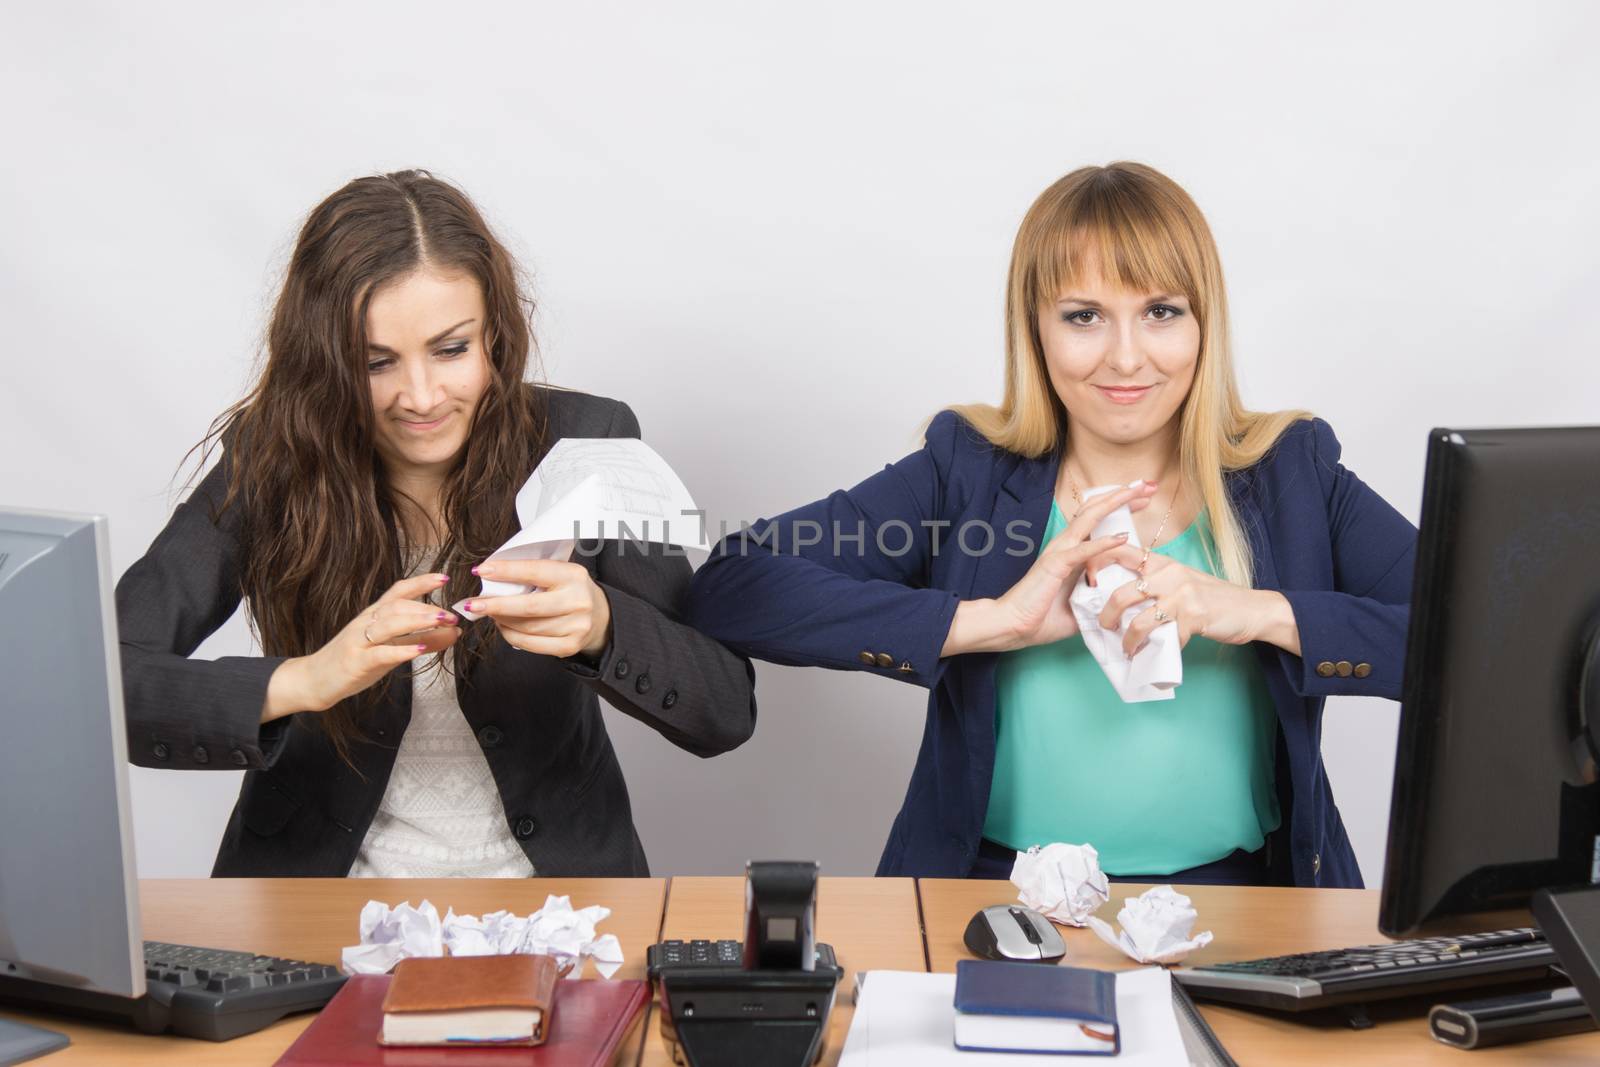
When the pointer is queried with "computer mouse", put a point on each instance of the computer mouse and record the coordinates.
(1012, 932)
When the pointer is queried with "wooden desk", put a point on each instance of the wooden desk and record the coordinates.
(871, 923)
(312, 919)
(1250, 923)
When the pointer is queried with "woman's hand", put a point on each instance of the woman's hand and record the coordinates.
(567, 613)
(1199, 603)
(1035, 610)
(395, 630)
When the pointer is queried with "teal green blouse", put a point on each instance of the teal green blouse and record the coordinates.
(1155, 787)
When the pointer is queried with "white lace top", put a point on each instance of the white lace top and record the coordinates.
(441, 815)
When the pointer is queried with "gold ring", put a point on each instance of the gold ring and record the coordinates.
(367, 632)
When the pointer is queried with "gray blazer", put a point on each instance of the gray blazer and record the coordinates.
(303, 811)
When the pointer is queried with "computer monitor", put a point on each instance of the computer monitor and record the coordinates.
(69, 906)
(1497, 771)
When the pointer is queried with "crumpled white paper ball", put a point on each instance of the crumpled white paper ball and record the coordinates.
(1063, 882)
(1155, 927)
(389, 935)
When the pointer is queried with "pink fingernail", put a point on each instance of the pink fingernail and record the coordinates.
(443, 578)
(474, 570)
(445, 616)
(468, 606)
(422, 648)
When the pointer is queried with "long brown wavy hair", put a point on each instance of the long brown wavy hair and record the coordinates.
(320, 533)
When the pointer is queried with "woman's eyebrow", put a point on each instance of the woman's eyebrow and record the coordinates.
(435, 339)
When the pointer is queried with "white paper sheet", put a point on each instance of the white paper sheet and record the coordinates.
(1156, 927)
(1062, 882)
(590, 488)
(907, 1019)
(1157, 668)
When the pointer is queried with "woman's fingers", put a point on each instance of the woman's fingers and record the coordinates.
(414, 588)
(1064, 560)
(1125, 556)
(539, 573)
(397, 652)
(1139, 630)
(1097, 508)
(1119, 602)
(544, 603)
(395, 619)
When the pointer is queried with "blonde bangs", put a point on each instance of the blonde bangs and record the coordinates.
(1126, 251)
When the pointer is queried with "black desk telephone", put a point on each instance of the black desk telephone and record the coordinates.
(764, 1000)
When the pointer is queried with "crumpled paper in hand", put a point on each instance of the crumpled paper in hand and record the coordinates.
(1155, 927)
(389, 935)
(1063, 882)
(1157, 668)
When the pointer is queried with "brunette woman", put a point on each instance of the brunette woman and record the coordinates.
(370, 471)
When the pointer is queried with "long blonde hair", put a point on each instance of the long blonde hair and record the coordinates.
(1143, 232)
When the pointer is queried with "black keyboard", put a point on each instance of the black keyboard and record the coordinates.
(207, 993)
(1310, 980)
(705, 955)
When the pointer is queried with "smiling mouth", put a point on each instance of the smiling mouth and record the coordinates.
(419, 426)
(1124, 394)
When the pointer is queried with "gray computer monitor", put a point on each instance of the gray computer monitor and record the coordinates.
(69, 905)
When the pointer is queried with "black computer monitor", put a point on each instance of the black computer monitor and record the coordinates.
(1497, 771)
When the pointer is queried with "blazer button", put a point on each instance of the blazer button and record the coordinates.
(621, 669)
(1344, 668)
(868, 658)
(1325, 668)
(490, 736)
(160, 750)
(883, 659)
(526, 827)
(1316, 864)
(239, 758)
(642, 685)
(1363, 669)
(200, 754)
(670, 699)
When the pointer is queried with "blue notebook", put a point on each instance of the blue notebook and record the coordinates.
(1026, 1007)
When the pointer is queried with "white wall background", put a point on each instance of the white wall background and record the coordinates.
(780, 233)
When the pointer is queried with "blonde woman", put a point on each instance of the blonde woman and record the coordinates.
(1286, 578)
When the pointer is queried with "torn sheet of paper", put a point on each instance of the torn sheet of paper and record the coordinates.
(1157, 668)
(1062, 882)
(1155, 927)
(593, 488)
(389, 935)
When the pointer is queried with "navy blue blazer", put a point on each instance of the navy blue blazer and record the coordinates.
(883, 603)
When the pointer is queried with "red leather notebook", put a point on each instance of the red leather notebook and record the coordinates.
(590, 1019)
